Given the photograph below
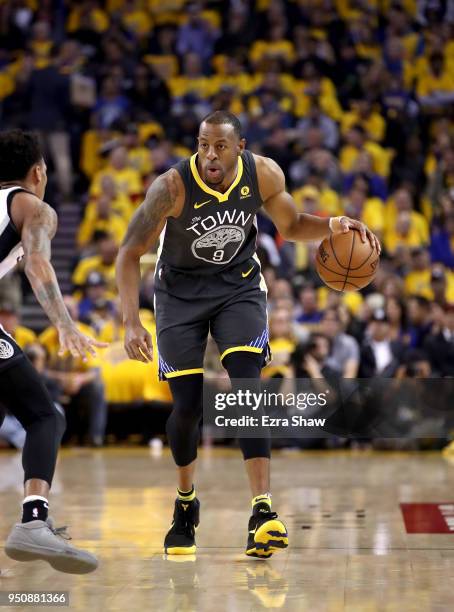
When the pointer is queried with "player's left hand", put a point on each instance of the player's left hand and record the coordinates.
(341, 225)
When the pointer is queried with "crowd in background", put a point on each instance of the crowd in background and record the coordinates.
(353, 99)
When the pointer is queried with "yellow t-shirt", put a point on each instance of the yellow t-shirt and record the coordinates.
(23, 336)
(128, 181)
(127, 380)
(121, 205)
(327, 99)
(418, 283)
(137, 21)
(90, 264)
(329, 201)
(374, 125)
(373, 214)
(278, 48)
(115, 226)
(429, 83)
(381, 158)
(415, 238)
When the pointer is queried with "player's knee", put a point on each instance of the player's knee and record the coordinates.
(243, 364)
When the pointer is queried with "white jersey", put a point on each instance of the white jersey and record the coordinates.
(11, 250)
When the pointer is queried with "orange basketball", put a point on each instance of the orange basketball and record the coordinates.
(345, 263)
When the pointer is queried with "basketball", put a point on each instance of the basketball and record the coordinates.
(345, 263)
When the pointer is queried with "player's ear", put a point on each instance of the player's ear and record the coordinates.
(37, 173)
(241, 145)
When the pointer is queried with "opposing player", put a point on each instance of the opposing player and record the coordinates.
(27, 225)
(208, 279)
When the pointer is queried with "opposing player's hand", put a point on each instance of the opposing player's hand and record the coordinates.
(341, 225)
(138, 343)
(78, 344)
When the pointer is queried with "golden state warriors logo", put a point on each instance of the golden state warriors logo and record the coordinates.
(245, 192)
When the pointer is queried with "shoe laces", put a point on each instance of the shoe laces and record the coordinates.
(59, 531)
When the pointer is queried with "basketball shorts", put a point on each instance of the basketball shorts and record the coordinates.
(10, 351)
(231, 305)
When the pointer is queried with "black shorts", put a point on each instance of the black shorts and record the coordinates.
(231, 305)
(10, 351)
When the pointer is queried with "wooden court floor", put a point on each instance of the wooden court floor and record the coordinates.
(349, 549)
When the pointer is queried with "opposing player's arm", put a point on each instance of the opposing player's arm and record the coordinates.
(295, 226)
(164, 199)
(37, 223)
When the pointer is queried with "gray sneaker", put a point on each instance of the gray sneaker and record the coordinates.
(41, 540)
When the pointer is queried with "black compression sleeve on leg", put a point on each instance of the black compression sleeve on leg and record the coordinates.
(26, 397)
(183, 424)
(245, 364)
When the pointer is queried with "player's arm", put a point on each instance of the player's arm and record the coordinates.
(295, 226)
(37, 223)
(164, 199)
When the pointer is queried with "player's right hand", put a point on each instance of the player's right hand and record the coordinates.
(78, 344)
(138, 343)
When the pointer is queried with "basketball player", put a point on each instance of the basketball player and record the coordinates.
(27, 225)
(208, 279)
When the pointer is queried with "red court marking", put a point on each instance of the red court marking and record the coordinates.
(429, 518)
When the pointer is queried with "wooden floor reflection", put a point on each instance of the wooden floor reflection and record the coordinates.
(348, 546)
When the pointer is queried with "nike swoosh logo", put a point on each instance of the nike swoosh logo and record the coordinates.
(253, 531)
(244, 274)
(202, 204)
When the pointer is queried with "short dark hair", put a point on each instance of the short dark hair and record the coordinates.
(19, 151)
(223, 117)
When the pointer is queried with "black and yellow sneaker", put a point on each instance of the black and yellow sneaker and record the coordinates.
(267, 534)
(180, 539)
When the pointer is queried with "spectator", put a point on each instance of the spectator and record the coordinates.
(101, 219)
(316, 118)
(310, 313)
(344, 355)
(397, 319)
(442, 242)
(197, 35)
(103, 262)
(439, 344)
(380, 355)
(420, 320)
(112, 106)
(48, 98)
(149, 94)
(363, 168)
(355, 143)
(126, 178)
(94, 292)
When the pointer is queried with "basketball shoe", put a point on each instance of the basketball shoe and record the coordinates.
(41, 540)
(267, 534)
(180, 539)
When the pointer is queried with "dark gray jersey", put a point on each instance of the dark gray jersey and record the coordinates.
(215, 230)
